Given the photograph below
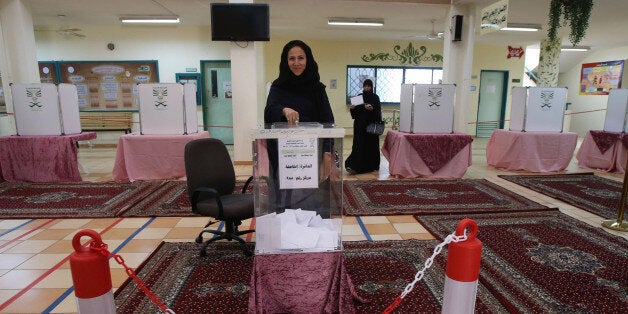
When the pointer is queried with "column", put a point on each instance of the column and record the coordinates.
(549, 60)
(18, 53)
(458, 63)
(248, 92)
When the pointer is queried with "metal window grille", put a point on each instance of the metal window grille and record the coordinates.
(388, 80)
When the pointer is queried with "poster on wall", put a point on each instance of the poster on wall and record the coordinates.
(598, 78)
(108, 85)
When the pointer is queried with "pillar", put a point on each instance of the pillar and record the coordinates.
(458, 63)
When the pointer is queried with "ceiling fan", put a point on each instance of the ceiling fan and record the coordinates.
(433, 35)
(70, 32)
(64, 31)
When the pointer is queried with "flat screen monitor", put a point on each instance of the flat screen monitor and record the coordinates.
(240, 22)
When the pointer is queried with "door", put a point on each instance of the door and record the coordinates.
(492, 102)
(217, 107)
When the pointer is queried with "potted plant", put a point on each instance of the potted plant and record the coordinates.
(574, 12)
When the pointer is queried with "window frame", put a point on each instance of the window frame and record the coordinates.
(376, 68)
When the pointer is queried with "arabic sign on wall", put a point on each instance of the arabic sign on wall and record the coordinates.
(494, 17)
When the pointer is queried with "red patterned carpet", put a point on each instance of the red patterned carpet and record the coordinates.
(71, 200)
(427, 197)
(220, 282)
(594, 194)
(169, 200)
(547, 262)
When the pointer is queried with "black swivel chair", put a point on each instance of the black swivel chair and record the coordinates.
(211, 180)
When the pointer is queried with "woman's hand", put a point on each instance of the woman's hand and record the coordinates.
(291, 115)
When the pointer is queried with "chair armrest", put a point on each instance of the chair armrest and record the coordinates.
(246, 184)
(211, 192)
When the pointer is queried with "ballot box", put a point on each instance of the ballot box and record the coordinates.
(538, 109)
(45, 109)
(167, 108)
(616, 119)
(427, 108)
(297, 182)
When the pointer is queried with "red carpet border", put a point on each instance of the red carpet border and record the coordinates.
(96, 199)
(589, 192)
(71, 200)
(220, 282)
(546, 262)
(430, 197)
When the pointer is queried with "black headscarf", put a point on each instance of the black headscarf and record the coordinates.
(308, 81)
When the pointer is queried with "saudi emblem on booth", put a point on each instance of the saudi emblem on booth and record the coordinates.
(34, 98)
(546, 99)
(434, 94)
(160, 93)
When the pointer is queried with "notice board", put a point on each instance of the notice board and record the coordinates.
(108, 85)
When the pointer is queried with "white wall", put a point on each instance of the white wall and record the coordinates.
(179, 47)
(582, 121)
(175, 47)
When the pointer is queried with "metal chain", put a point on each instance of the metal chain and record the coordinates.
(129, 271)
(428, 263)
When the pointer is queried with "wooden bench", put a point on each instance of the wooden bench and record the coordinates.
(106, 121)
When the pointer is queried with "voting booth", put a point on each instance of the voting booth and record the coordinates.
(427, 108)
(298, 188)
(539, 109)
(45, 109)
(167, 108)
(616, 119)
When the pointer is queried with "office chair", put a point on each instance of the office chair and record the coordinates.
(210, 182)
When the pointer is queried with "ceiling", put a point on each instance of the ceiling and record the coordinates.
(405, 20)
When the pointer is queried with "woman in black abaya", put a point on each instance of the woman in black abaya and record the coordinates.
(365, 150)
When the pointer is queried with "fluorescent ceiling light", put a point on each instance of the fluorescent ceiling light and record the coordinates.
(513, 27)
(575, 48)
(156, 19)
(345, 21)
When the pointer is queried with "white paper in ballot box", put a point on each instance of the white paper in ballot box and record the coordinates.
(295, 236)
(268, 232)
(296, 229)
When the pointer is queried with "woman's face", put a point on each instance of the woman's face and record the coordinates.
(296, 60)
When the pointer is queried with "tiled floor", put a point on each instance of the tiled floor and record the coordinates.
(34, 268)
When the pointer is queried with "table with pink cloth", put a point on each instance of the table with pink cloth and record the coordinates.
(530, 151)
(152, 157)
(603, 150)
(41, 158)
(301, 283)
(427, 155)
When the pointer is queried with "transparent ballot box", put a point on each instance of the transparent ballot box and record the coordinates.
(297, 183)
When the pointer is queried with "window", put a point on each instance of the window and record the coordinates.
(388, 80)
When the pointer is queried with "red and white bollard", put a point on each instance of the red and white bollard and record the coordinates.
(91, 275)
(462, 270)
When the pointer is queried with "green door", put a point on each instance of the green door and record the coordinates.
(217, 108)
(492, 102)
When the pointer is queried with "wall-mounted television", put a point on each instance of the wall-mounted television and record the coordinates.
(240, 22)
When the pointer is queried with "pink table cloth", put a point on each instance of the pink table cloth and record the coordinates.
(530, 151)
(152, 157)
(44, 158)
(301, 283)
(600, 154)
(427, 155)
